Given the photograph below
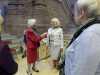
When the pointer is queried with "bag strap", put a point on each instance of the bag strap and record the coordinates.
(81, 29)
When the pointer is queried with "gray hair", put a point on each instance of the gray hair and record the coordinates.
(90, 6)
(31, 22)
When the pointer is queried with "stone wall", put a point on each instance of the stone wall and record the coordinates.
(43, 10)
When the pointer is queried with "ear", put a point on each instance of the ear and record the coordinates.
(82, 13)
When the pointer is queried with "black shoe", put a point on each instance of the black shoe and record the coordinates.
(35, 69)
(23, 56)
(28, 73)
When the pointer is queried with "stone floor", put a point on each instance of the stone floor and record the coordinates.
(43, 66)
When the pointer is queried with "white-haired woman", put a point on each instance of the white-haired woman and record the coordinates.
(32, 42)
(82, 57)
(55, 40)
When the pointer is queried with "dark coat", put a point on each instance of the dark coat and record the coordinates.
(7, 65)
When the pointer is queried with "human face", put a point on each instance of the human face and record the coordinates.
(55, 24)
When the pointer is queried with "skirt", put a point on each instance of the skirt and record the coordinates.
(54, 52)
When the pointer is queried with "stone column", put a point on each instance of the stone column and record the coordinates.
(38, 9)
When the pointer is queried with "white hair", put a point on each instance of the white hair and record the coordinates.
(55, 19)
(31, 22)
(92, 6)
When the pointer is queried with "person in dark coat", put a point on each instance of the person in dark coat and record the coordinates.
(7, 64)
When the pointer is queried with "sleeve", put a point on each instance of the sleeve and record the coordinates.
(32, 36)
(44, 35)
(62, 39)
(87, 55)
(8, 63)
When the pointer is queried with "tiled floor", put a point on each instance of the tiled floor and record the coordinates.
(43, 66)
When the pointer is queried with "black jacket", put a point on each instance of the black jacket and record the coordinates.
(7, 65)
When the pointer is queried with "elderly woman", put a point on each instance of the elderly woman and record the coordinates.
(55, 40)
(32, 42)
(82, 57)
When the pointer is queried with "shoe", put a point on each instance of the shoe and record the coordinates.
(23, 56)
(35, 69)
(29, 73)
